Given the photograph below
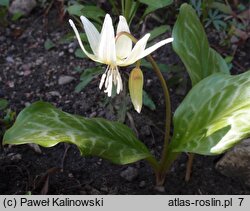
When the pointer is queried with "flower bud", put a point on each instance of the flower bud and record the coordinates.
(136, 88)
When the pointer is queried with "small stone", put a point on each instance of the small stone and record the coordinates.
(235, 163)
(160, 189)
(142, 184)
(11, 84)
(65, 79)
(9, 59)
(71, 50)
(93, 114)
(36, 148)
(55, 93)
(39, 61)
(129, 174)
(14, 156)
(27, 104)
(61, 54)
(22, 6)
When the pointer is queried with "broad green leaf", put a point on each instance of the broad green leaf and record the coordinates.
(87, 76)
(225, 8)
(214, 116)
(191, 44)
(75, 9)
(92, 12)
(3, 104)
(43, 124)
(157, 31)
(157, 4)
(48, 44)
(154, 5)
(147, 101)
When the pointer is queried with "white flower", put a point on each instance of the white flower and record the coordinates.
(107, 50)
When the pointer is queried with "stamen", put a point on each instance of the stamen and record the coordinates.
(109, 88)
(103, 78)
(102, 81)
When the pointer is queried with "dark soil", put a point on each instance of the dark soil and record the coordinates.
(29, 73)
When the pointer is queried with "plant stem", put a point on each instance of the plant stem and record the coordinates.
(189, 166)
(167, 156)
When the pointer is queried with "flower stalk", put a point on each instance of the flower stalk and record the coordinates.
(167, 156)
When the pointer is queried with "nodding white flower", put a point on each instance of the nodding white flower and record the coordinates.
(113, 52)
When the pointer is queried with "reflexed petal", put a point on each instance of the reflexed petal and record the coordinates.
(91, 56)
(156, 46)
(123, 43)
(92, 34)
(106, 51)
(136, 52)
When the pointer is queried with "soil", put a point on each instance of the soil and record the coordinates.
(29, 73)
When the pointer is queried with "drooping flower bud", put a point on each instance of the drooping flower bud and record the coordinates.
(136, 88)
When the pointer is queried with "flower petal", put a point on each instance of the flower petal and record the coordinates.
(106, 51)
(136, 88)
(123, 43)
(136, 52)
(91, 56)
(92, 34)
(155, 46)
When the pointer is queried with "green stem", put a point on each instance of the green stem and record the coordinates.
(167, 156)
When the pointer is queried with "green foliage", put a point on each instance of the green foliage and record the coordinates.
(87, 76)
(16, 16)
(147, 101)
(92, 12)
(3, 104)
(43, 124)
(49, 44)
(157, 31)
(79, 53)
(4, 3)
(191, 44)
(155, 5)
(7, 116)
(163, 67)
(216, 19)
(214, 116)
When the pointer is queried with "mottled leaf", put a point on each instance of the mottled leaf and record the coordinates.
(43, 124)
(214, 116)
(191, 44)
